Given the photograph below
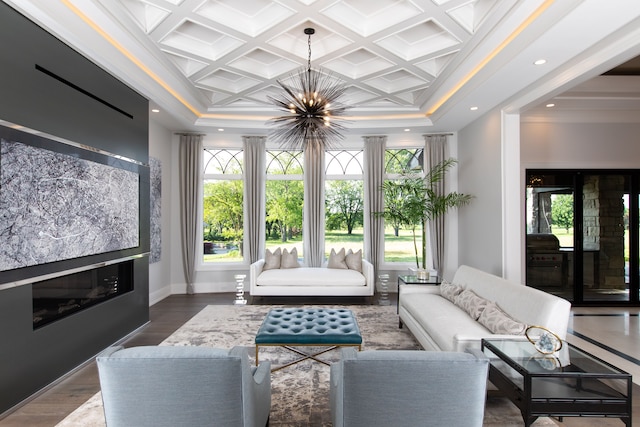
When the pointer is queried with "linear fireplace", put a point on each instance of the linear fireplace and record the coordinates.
(56, 298)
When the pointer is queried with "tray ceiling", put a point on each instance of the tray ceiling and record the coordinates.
(211, 63)
(233, 52)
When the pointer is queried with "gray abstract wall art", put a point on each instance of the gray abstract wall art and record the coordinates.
(56, 206)
(155, 169)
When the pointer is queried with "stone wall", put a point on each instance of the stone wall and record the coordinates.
(604, 230)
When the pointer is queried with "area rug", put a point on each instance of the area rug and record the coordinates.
(300, 393)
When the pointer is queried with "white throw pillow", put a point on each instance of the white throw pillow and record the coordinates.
(354, 260)
(272, 259)
(499, 322)
(470, 302)
(450, 291)
(289, 259)
(337, 260)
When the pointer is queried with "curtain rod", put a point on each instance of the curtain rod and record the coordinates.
(434, 134)
(190, 133)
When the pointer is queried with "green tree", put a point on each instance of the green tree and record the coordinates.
(412, 201)
(284, 206)
(398, 199)
(344, 203)
(284, 197)
(562, 210)
(222, 213)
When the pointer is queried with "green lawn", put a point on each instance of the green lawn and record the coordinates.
(397, 249)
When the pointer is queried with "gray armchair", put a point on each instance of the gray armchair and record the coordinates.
(183, 386)
(408, 388)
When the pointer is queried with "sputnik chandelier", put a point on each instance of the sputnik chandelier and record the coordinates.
(313, 107)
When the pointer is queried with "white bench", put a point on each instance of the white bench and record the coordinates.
(311, 281)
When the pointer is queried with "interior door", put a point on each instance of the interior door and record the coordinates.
(582, 234)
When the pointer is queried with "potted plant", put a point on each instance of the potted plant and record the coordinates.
(412, 201)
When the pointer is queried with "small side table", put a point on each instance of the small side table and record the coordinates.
(569, 383)
(413, 280)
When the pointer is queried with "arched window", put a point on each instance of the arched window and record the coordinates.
(222, 205)
(398, 240)
(344, 200)
(284, 199)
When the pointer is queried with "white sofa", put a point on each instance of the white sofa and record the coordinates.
(439, 324)
(311, 281)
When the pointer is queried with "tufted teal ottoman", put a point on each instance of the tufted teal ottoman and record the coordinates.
(318, 327)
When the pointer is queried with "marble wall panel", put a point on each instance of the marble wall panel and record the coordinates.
(56, 206)
(155, 169)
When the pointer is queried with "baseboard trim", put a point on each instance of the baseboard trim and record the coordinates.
(157, 296)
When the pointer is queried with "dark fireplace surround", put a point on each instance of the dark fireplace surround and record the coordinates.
(38, 355)
(56, 298)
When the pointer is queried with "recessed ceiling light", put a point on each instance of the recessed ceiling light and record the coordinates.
(407, 130)
(155, 110)
(220, 130)
(473, 108)
(540, 62)
(551, 105)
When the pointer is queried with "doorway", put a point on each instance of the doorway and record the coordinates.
(582, 234)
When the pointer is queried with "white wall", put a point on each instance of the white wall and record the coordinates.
(588, 145)
(480, 174)
(160, 272)
(580, 145)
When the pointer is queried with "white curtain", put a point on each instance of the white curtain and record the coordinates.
(435, 153)
(254, 195)
(190, 160)
(313, 212)
(374, 148)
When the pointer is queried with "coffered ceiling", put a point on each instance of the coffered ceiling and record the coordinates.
(407, 63)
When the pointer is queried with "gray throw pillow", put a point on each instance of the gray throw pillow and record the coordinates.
(289, 259)
(499, 322)
(337, 260)
(354, 260)
(272, 259)
(470, 302)
(450, 291)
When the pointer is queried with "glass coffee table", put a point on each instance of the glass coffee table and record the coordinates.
(568, 383)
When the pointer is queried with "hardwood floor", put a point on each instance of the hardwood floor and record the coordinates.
(54, 404)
